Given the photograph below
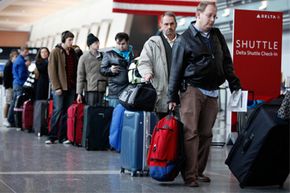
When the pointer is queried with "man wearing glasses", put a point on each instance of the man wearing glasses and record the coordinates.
(201, 62)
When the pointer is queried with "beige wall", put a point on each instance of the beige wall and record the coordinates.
(13, 38)
(76, 18)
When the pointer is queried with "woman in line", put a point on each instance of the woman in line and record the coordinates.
(41, 61)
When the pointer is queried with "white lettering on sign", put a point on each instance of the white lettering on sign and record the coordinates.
(257, 44)
(268, 16)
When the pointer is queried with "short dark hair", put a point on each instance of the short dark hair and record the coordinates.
(12, 54)
(203, 4)
(169, 14)
(65, 35)
(122, 36)
(23, 48)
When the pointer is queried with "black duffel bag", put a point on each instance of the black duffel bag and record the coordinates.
(139, 97)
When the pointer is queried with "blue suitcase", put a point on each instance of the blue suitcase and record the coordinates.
(116, 127)
(135, 140)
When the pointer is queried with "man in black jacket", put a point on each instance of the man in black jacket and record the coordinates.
(115, 65)
(201, 62)
(8, 84)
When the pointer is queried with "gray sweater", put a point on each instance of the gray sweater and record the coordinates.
(88, 73)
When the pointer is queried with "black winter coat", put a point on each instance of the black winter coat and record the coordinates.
(117, 82)
(42, 83)
(194, 63)
(7, 75)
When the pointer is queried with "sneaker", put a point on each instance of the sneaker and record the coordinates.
(66, 142)
(203, 178)
(50, 142)
(6, 124)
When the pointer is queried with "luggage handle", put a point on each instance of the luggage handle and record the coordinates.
(102, 101)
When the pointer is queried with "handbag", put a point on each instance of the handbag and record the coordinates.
(139, 97)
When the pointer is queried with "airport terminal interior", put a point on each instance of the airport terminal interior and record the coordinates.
(28, 165)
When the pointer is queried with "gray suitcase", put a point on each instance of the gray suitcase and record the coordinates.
(40, 117)
(135, 141)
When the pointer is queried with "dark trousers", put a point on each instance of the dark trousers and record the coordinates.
(94, 98)
(17, 91)
(59, 115)
(198, 114)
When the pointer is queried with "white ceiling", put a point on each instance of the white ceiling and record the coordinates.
(19, 14)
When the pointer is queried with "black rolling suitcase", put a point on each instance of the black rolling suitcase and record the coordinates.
(96, 128)
(260, 156)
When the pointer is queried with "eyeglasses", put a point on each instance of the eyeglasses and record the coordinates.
(209, 16)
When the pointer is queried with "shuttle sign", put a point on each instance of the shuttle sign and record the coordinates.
(257, 46)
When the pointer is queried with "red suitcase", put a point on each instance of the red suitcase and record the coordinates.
(49, 113)
(75, 117)
(27, 115)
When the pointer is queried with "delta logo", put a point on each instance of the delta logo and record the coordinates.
(268, 16)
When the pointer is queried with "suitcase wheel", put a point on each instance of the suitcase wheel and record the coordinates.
(141, 173)
(147, 173)
(133, 173)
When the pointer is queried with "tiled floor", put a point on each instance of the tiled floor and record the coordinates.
(28, 165)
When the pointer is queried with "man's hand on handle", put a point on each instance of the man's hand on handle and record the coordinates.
(148, 77)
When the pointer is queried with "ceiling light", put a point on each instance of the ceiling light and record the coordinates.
(226, 12)
(181, 22)
(264, 5)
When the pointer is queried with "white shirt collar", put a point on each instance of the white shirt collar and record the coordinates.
(170, 41)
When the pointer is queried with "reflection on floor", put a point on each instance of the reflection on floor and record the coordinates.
(28, 165)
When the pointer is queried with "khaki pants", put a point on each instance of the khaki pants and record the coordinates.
(198, 113)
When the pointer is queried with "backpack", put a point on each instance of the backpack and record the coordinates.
(166, 154)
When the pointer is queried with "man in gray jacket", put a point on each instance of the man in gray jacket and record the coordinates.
(89, 79)
(155, 60)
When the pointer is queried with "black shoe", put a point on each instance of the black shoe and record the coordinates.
(191, 184)
(203, 178)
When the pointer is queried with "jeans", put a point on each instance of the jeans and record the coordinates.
(59, 115)
(17, 91)
(113, 102)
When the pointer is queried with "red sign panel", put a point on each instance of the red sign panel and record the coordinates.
(257, 45)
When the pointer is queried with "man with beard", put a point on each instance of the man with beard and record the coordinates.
(155, 60)
(202, 62)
